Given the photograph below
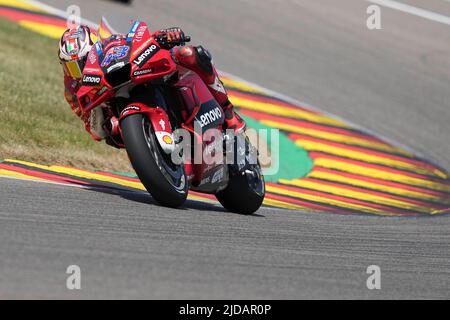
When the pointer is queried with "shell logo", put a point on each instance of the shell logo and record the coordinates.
(167, 139)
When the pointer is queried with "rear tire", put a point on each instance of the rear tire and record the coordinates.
(244, 194)
(165, 181)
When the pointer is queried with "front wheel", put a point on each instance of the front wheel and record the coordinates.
(165, 181)
(245, 191)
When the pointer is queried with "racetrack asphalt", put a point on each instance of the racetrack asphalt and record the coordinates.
(393, 81)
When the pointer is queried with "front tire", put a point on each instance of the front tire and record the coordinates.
(165, 181)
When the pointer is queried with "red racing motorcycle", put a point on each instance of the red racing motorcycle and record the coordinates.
(166, 113)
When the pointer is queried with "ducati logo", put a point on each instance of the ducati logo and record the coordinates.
(162, 123)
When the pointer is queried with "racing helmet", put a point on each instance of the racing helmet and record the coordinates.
(74, 48)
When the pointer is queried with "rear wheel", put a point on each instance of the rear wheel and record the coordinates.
(165, 181)
(245, 191)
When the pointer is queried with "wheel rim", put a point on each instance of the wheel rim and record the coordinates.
(174, 174)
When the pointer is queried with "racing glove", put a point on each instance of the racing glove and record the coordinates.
(171, 37)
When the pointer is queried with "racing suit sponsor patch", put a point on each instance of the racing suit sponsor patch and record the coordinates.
(209, 115)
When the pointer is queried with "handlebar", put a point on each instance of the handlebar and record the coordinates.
(163, 39)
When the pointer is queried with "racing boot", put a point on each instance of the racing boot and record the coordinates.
(232, 119)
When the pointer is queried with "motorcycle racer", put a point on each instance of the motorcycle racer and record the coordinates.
(76, 43)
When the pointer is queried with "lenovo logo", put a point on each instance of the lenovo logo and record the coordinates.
(146, 55)
(91, 79)
(210, 116)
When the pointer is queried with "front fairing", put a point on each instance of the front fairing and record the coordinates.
(119, 60)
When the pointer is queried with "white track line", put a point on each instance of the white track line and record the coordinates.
(419, 12)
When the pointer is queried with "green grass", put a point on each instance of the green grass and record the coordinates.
(36, 123)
